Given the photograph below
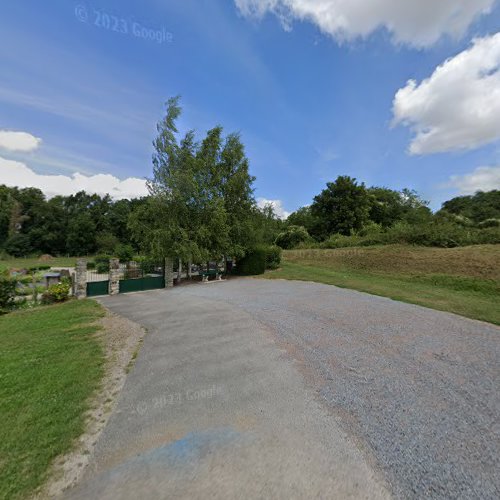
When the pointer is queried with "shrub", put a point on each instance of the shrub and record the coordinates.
(18, 245)
(57, 293)
(273, 257)
(124, 252)
(292, 237)
(102, 264)
(7, 294)
(91, 265)
(40, 267)
(253, 263)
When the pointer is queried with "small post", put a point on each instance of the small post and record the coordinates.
(114, 276)
(81, 279)
(169, 273)
(179, 271)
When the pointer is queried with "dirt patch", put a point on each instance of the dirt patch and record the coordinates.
(122, 339)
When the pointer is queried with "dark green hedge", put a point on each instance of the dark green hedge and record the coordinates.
(253, 263)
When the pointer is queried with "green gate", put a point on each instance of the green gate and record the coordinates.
(141, 276)
(142, 284)
(95, 288)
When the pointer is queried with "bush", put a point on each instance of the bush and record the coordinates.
(102, 264)
(253, 263)
(40, 267)
(292, 237)
(7, 294)
(91, 265)
(18, 245)
(124, 252)
(273, 257)
(57, 293)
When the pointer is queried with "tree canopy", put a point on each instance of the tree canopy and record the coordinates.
(201, 196)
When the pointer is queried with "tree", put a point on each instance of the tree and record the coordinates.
(18, 245)
(342, 207)
(292, 236)
(305, 218)
(478, 207)
(81, 235)
(201, 195)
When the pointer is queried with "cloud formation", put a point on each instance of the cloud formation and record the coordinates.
(416, 22)
(18, 141)
(458, 106)
(481, 179)
(14, 173)
(277, 205)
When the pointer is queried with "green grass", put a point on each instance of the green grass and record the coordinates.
(462, 286)
(50, 364)
(23, 263)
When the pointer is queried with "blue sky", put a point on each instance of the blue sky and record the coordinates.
(311, 101)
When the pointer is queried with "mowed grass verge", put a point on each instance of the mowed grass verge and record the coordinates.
(50, 364)
(464, 281)
(24, 263)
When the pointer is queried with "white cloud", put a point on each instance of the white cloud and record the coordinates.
(416, 22)
(277, 205)
(14, 173)
(18, 141)
(481, 179)
(458, 107)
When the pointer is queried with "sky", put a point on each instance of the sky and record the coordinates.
(395, 93)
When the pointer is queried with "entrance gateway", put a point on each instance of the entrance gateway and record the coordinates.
(133, 276)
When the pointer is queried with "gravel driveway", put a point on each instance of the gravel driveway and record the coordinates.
(357, 393)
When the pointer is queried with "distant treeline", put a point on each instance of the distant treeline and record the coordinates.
(347, 213)
(79, 224)
(344, 214)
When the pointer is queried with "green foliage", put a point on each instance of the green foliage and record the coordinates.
(478, 207)
(39, 267)
(273, 256)
(437, 233)
(342, 207)
(106, 242)
(90, 265)
(102, 263)
(201, 200)
(7, 293)
(57, 293)
(18, 245)
(253, 263)
(124, 252)
(292, 237)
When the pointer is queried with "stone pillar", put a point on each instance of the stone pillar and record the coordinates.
(114, 276)
(179, 272)
(169, 273)
(80, 284)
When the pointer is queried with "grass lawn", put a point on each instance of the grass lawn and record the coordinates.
(20, 263)
(50, 364)
(464, 281)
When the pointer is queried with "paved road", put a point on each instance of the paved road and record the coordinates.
(274, 389)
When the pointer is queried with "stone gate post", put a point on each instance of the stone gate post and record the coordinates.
(114, 276)
(80, 285)
(169, 273)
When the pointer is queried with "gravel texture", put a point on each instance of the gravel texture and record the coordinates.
(418, 388)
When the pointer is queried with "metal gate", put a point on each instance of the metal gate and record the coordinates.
(141, 276)
(98, 280)
(95, 288)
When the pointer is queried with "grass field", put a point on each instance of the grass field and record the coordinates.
(22, 263)
(464, 281)
(50, 364)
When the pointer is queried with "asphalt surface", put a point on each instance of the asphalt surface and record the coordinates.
(276, 389)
